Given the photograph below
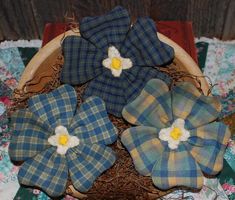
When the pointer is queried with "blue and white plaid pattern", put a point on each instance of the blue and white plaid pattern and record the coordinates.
(83, 57)
(47, 170)
(87, 162)
(56, 108)
(156, 108)
(91, 123)
(43, 166)
(31, 131)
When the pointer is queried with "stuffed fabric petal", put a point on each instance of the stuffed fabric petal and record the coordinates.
(29, 135)
(87, 162)
(209, 151)
(82, 60)
(137, 77)
(47, 170)
(109, 29)
(55, 108)
(196, 109)
(177, 168)
(143, 146)
(91, 123)
(152, 107)
(143, 46)
(110, 89)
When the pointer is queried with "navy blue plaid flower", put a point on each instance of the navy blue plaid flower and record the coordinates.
(57, 141)
(117, 59)
(177, 137)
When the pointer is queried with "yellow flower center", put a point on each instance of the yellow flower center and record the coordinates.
(116, 63)
(176, 133)
(63, 139)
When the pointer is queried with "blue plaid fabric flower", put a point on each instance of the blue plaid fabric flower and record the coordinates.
(58, 142)
(176, 137)
(117, 58)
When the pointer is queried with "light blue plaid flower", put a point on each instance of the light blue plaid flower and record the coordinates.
(84, 57)
(176, 139)
(44, 166)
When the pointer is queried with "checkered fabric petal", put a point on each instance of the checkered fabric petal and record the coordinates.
(152, 107)
(110, 89)
(144, 147)
(87, 162)
(55, 108)
(143, 46)
(47, 170)
(82, 60)
(207, 145)
(29, 135)
(91, 123)
(189, 104)
(177, 168)
(106, 30)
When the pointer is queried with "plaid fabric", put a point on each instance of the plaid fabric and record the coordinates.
(29, 135)
(83, 61)
(79, 52)
(91, 123)
(156, 107)
(208, 146)
(189, 104)
(106, 30)
(144, 147)
(47, 170)
(87, 162)
(143, 46)
(152, 107)
(177, 168)
(55, 108)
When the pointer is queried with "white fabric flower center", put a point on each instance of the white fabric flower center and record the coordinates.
(63, 140)
(174, 134)
(115, 62)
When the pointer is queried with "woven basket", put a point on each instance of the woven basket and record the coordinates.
(121, 181)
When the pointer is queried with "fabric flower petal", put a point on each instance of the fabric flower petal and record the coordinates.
(143, 46)
(126, 63)
(29, 135)
(207, 145)
(47, 170)
(143, 146)
(110, 89)
(152, 107)
(87, 162)
(55, 108)
(189, 104)
(107, 29)
(137, 77)
(177, 168)
(91, 123)
(82, 60)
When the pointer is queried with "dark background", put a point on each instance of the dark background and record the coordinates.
(25, 19)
